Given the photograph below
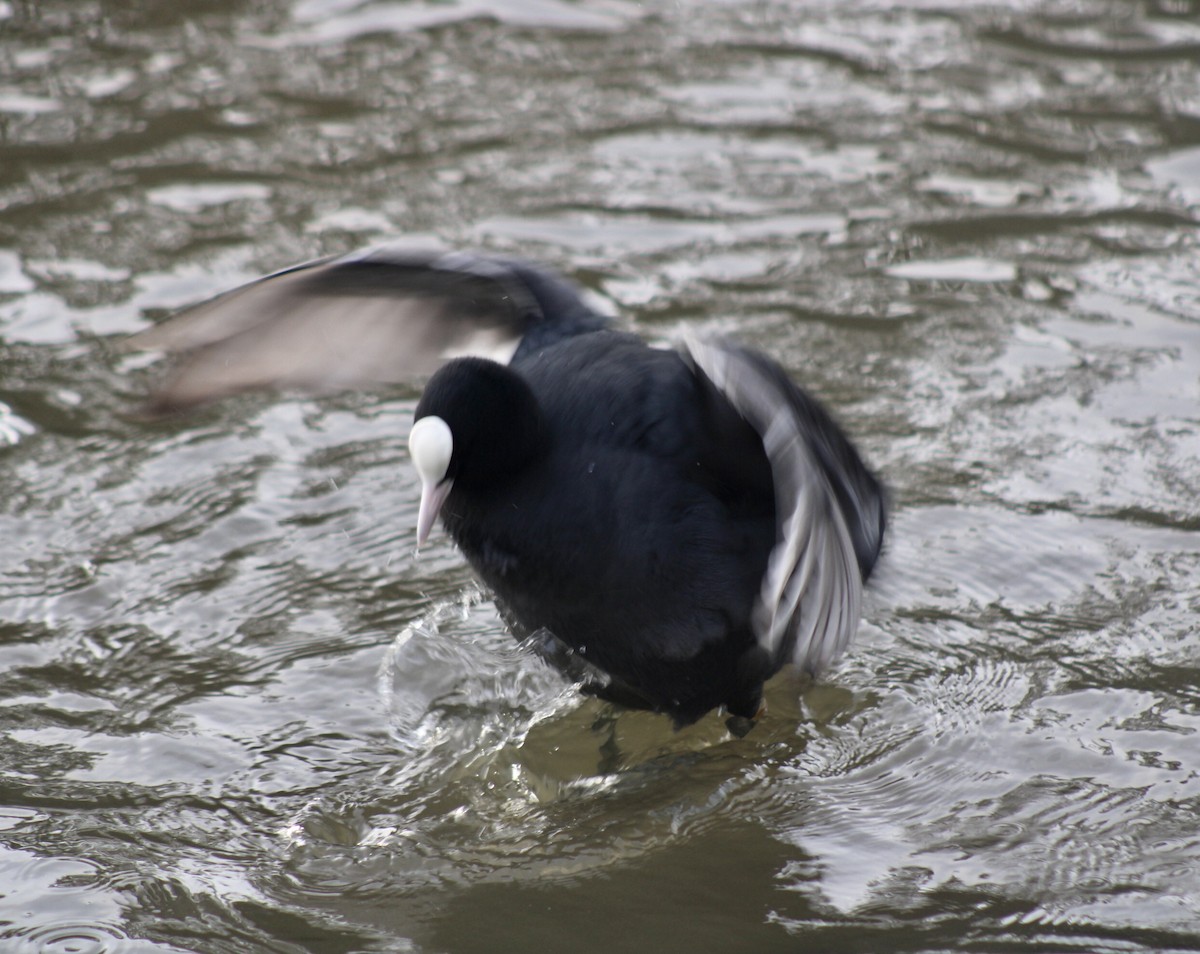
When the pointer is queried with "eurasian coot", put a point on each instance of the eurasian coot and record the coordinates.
(669, 526)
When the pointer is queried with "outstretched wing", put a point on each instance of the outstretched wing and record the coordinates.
(829, 509)
(380, 316)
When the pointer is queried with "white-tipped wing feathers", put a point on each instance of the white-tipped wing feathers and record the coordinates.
(373, 318)
(811, 596)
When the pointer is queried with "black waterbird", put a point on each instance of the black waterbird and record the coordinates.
(671, 526)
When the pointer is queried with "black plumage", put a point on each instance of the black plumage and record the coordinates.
(671, 526)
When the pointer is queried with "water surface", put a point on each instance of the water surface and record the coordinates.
(236, 712)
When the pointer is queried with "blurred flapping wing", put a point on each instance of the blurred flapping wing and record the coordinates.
(382, 316)
(829, 509)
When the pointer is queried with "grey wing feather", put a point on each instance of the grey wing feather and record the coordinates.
(382, 316)
(811, 596)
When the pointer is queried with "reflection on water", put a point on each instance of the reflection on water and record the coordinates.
(236, 713)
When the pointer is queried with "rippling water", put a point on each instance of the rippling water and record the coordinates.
(237, 714)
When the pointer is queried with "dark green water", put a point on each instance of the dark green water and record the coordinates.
(238, 715)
